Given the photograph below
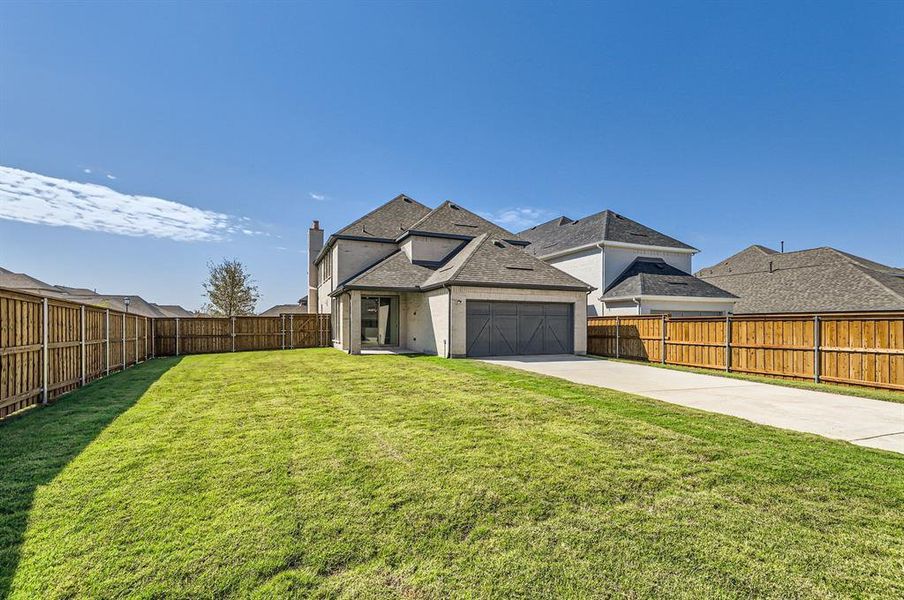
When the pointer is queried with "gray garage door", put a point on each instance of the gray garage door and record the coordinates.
(507, 328)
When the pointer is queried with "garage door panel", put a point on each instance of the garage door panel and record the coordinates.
(504, 337)
(559, 336)
(530, 334)
(478, 333)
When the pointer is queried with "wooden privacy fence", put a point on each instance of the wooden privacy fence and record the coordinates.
(858, 349)
(49, 347)
(202, 335)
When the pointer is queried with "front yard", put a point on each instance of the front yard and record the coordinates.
(310, 472)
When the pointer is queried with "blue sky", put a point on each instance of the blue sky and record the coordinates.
(721, 124)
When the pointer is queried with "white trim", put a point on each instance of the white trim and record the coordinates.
(671, 298)
(602, 246)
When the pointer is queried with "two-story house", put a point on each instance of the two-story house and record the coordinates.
(636, 270)
(442, 281)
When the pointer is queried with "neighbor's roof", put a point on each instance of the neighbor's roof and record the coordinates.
(817, 280)
(452, 219)
(655, 277)
(285, 309)
(26, 283)
(387, 221)
(491, 262)
(172, 310)
(563, 234)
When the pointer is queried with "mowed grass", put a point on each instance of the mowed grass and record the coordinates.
(312, 473)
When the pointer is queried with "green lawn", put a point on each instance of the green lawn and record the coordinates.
(313, 473)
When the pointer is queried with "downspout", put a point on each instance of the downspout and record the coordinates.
(350, 317)
(602, 247)
(637, 302)
(448, 322)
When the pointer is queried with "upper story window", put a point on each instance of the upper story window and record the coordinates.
(326, 267)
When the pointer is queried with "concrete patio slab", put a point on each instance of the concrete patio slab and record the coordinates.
(861, 421)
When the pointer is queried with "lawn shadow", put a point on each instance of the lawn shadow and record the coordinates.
(37, 445)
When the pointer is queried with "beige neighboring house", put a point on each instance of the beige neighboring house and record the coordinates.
(442, 281)
(137, 305)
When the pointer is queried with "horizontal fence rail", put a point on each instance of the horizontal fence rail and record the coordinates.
(855, 349)
(49, 347)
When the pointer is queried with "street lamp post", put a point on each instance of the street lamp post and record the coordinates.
(127, 301)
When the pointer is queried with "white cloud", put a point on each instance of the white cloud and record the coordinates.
(88, 171)
(318, 197)
(109, 176)
(516, 219)
(34, 198)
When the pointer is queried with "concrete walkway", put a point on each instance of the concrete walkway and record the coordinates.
(861, 421)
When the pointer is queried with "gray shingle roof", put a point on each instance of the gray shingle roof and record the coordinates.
(655, 277)
(285, 309)
(394, 272)
(563, 233)
(452, 219)
(484, 261)
(489, 261)
(387, 221)
(173, 310)
(816, 280)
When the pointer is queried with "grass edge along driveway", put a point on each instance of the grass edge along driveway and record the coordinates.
(313, 473)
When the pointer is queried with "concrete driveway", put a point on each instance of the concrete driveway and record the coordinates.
(861, 421)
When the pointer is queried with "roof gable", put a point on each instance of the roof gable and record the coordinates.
(494, 262)
(386, 221)
(655, 277)
(451, 219)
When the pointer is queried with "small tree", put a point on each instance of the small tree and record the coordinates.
(230, 290)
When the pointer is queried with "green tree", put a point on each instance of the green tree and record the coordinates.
(230, 290)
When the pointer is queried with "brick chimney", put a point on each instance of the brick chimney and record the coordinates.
(315, 244)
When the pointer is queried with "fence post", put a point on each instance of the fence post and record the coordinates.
(616, 337)
(291, 331)
(282, 321)
(177, 336)
(147, 332)
(123, 341)
(233, 334)
(45, 358)
(154, 338)
(82, 336)
(107, 341)
(816, 343)
(662, 327)
(727, 343)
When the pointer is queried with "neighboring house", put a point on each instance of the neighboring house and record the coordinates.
(301, 307)
(636, 269)
(442, 281)
(816, 280)
(173, 310)
(137, 304)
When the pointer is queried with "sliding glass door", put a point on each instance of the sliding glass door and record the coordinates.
(380, 320)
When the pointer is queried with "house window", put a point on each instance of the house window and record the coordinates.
(326, 267)
(334, 318)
